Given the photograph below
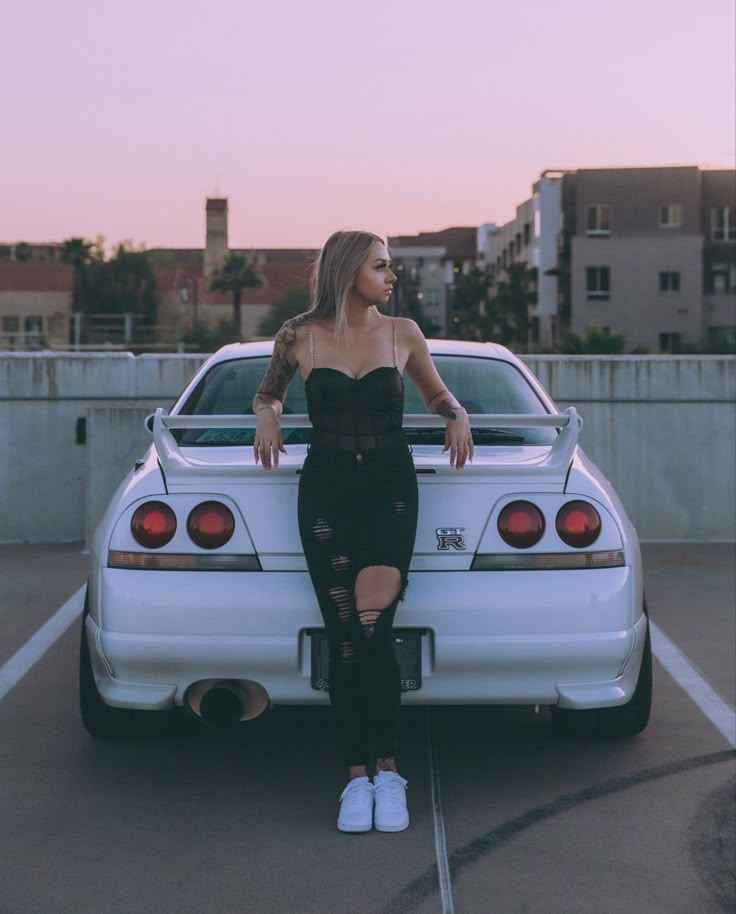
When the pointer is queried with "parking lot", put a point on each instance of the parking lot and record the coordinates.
(508, 815)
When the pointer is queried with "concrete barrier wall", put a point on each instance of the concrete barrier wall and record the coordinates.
(662, 428)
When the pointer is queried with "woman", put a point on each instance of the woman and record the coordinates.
(358, 496)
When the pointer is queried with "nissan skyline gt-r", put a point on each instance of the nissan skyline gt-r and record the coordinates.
(525, 584)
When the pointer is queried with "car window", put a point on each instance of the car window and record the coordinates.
(482, 385)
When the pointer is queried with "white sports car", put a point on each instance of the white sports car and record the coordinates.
(525, 584)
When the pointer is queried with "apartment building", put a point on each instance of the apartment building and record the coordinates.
(426, 267)
(651, 253)
(531, 238)
(646, 252)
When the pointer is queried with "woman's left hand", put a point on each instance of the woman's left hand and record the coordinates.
(458, 439)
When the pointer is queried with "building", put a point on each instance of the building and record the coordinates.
(646, 252)
(531, 238)
(184, 276)
(426, 267)
(35, 304)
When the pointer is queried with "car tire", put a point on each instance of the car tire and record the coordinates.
(621, 721)
(99, 719)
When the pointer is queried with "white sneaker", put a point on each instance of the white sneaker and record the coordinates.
(390, 813)
(356, 806)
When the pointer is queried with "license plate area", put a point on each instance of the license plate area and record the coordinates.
(407, 647)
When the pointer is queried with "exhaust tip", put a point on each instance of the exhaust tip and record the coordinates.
(221, 706)
(226, 702)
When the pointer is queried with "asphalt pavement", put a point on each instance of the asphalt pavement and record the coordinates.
(508, 815)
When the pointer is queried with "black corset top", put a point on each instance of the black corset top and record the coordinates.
(355, 414)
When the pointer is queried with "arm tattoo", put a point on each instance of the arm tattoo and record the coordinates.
(446, 408)
(280, 370)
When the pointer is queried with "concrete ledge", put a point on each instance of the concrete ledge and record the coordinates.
(662, 428)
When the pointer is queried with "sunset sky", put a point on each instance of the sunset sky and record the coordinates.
(312, 115)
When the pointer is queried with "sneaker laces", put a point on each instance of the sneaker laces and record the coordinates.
(352, 792)
(391, 786)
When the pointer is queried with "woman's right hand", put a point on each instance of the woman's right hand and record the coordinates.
(268, 440)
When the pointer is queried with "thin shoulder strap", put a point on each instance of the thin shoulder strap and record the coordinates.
(393, 328)
(311, 345)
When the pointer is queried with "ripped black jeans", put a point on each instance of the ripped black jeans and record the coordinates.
(358, 510)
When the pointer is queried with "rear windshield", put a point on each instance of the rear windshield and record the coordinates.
(482, 385)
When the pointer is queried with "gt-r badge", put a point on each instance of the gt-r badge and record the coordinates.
(450, 536)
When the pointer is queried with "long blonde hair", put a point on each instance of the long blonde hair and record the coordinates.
(334, 273)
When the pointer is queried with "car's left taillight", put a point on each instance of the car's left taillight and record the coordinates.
(210, 525)
(153, 524)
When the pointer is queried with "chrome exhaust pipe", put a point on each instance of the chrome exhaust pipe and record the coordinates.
(226, 702)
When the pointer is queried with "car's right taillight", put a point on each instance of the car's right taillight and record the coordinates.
(153, 524)
(210, 525)
(521, 524)
(578, 524)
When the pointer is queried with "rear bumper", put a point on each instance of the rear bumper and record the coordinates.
(573, 639)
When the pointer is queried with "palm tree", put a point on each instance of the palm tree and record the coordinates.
(236, 274)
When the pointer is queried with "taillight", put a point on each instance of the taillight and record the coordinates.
(153, 524)
(210, 525)
(521, 524)
(578, 524)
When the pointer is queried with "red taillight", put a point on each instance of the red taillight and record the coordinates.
(578, 524)
(153, 525)
(210, 525)
(521, 524)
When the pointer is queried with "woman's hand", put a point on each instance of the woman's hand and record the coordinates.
(458, 438)
(268, 440)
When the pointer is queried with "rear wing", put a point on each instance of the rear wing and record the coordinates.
(185, 468)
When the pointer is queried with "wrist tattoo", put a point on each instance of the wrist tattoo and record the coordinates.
(447, 409)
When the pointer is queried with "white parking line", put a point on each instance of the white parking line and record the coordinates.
(440, 841)
(718, 711)
(21, 662)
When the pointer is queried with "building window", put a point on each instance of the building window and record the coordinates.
(527, 233)
(670, 215)
(722, 278)
(669, 342)
(669, 281)
(11, 324)
(432, 297)
(33, 324)
(598, 282)
(598, 219)
(723, 223)
(518, 242)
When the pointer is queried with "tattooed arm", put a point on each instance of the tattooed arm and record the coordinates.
(269, 399)
(280, 371)
(437, 398)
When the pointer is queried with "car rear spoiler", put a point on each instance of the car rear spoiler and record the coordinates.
(175, 464)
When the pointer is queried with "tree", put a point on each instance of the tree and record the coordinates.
(124, 284)
(292, 301)
(468, 305)
(80, 254)
(236, 274)
(406, 300)
(508, 310)
(208, 338)
(22, 252)
(596, 340)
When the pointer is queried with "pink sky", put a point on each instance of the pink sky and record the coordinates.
(313, 115)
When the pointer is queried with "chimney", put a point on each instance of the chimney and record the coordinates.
(216, 248)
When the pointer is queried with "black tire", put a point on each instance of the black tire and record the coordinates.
(99, 719)
(624, 720)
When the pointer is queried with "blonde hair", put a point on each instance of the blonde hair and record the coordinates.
(333, 275)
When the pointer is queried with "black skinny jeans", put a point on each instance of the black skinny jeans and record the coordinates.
(358, 510)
